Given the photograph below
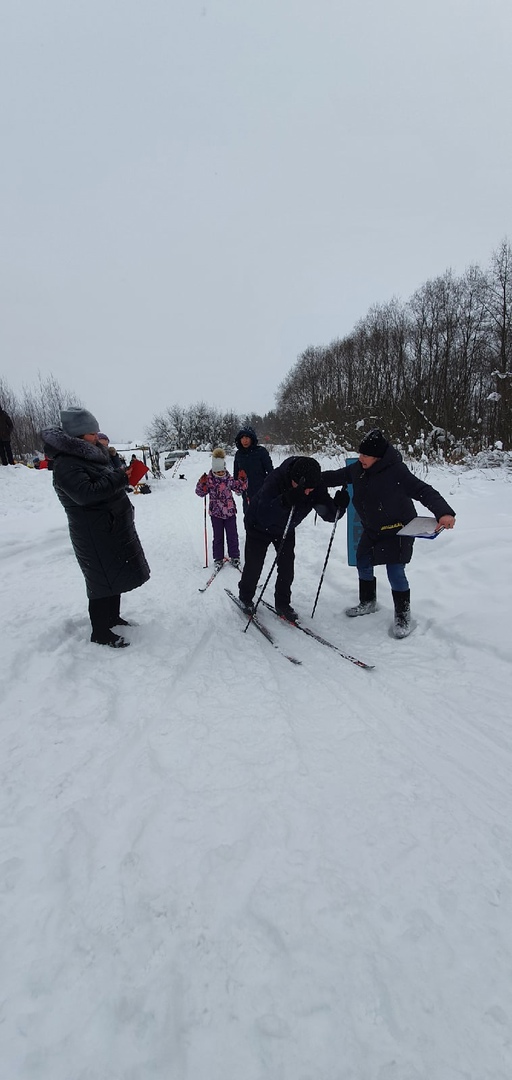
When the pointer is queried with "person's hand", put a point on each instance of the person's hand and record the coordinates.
(203, 478)
(447, 521)
(242, 475)
(341, 498)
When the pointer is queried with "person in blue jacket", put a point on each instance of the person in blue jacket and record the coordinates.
(383, 490)
(252, 459)
(286, 497)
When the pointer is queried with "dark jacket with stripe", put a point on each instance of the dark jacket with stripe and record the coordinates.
(382, 496)
(100, 515)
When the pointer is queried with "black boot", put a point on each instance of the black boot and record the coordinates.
(402, 624)
(286, 612)
(100, 616)
(114, 641)
(114, 616)
(367, 599)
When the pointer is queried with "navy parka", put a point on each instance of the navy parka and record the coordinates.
(382, 496)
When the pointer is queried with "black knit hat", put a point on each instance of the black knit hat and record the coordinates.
(306, 472)
(374, 444)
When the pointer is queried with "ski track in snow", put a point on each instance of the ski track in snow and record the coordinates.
(215, 865)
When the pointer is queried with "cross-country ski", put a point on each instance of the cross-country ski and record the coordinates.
(258, 625)
(317, 637)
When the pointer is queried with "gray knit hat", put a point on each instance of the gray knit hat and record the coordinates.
(78, 422)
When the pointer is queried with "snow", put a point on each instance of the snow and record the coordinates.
(220, 866)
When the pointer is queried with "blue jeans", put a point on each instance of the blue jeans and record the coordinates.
(395, 571)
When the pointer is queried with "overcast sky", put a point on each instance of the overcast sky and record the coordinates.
(193, 192)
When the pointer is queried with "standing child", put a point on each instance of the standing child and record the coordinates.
(219, 485)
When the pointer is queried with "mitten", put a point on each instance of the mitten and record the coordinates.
(242, 475)
(341, 498)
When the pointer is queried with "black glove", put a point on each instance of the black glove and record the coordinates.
(291, 496)
(341, 499)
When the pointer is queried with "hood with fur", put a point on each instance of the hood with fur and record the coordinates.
(56, 441)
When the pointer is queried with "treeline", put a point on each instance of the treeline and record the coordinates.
(436, 370)
(198, 425)
(36, 408)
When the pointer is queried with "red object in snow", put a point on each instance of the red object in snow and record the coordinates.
(136, 471)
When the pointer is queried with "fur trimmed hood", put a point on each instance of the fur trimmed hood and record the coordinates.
(56, 441)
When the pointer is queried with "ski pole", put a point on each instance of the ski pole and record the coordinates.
(279, 550)
(205, 537)
(336, 519)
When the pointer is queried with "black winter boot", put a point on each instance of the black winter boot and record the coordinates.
(402, 624)
(114, 641)
(286, 612)
(367, 599)
(100, 615)
(114, 616)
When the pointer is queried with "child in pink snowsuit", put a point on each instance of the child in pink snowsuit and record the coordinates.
(218, 484)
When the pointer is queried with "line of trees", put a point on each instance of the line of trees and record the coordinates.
(36, 408)
(436, 369)
(434, 372)
(198, 425)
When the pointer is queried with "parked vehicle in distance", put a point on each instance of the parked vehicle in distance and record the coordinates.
(173, 456)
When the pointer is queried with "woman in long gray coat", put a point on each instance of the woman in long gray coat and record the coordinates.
(100, 517)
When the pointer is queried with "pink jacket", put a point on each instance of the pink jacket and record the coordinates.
(219, 488)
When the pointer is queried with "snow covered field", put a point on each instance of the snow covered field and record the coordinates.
(219, 866)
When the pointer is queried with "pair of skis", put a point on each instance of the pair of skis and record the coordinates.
(215, 573)
(261, 627)
(298, 626)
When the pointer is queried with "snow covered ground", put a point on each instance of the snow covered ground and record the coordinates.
(219, 866)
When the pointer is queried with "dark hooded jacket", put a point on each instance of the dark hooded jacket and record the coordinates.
(100, 515)
(255, 461)
(382, 496)
(6, 426)
(270, 507)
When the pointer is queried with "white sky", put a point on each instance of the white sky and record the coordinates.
(193, 192)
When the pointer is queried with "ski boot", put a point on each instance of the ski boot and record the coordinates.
(286, 612)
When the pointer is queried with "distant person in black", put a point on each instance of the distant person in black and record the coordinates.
(252, 459)
(295, 486)
(6, 426)
(115, 458)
